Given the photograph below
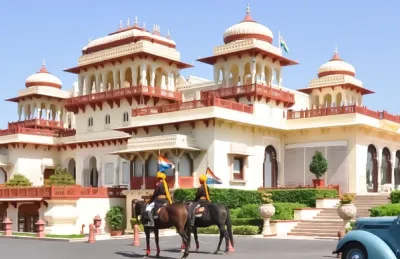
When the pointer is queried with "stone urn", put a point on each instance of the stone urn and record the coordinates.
(347, 212)
(266, 212)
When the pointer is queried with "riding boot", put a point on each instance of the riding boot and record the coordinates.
(151, 219)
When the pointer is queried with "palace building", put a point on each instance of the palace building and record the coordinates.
(130, 104)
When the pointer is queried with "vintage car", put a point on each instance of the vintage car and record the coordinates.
(373, 238)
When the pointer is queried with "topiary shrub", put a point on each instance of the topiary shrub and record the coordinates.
(61, 177)
(283, 211)
(234, 198)
(395, 197)
(385, 210)
(237, 230)
(318, 165)
(18, 180)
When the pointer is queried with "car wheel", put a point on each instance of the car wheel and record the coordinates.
(354, 250)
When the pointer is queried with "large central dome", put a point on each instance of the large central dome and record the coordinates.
(248, 29)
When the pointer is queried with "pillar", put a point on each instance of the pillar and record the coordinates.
(115, 80)
(152, 76)
(98, 75)
(104, 81)
(80, 84)
(143, 74)
(122, 78)
(19, 113)
(253, 70)
(216, 75)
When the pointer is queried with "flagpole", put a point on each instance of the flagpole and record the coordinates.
(279, 39)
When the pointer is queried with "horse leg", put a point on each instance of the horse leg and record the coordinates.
(221, 236)
(185, 239)
(156, 238)
(224, 232)
(196, 238)
(147, 232)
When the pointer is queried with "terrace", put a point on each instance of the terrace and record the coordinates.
(112, 97)
(195, 104)
(319, 112)
(59, 193)
(256, 90)
(18, 129)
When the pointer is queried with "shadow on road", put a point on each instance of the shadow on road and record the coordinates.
(133, 255)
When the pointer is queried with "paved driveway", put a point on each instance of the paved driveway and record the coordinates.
(170, 246)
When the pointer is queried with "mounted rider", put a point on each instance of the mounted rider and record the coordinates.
(160, 197)
(202, 198)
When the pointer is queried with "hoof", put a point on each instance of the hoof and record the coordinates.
(183, 250)
(215, 252)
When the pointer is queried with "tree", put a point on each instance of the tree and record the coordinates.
(61, 177)
(318, 165)
(18, 180)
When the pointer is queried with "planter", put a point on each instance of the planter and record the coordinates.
(318, 182)
(347, 212)
(266, 212)
(116, 233)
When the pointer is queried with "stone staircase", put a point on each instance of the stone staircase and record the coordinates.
(327, 223)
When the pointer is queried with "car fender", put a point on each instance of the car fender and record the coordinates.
(376, 247)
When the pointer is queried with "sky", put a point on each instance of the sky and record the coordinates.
(365, 32)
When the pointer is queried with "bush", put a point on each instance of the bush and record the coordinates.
(385, 210)
(234, 198)
(134, 222)
(61, 177)
(18, 180)
(115, 217)
(237, 230)
(395, 196)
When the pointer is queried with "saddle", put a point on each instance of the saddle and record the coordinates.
(158, 212)
(200, 211)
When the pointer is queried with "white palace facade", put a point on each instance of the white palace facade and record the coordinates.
(131, 104)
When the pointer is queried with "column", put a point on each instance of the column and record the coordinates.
(264, 82)
(226, 77)
(143, 74)
(98, 77)
(115, 82)
(379, 162)
(242, 75)
(216, 75)
(176, 161)
(253, 71)
(134, 75)
(19, 113)
(32, 110)
(122, 78)
(152, 76)
(48, 111)
(393, 161)
(80, 84)
(104, 82)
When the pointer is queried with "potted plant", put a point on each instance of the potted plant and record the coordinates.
(347, 211)
(267, 210)
(318, 167)
(115, 219)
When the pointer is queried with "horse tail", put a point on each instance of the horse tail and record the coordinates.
(228, 224)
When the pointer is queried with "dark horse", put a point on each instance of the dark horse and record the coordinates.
(213, 214)
(172, 215)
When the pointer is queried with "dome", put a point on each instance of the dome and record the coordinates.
(336, 66)
(246, 29)
(43, 78)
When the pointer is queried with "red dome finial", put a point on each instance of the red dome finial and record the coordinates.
(336, 55)
(248, 17)
(43, 69)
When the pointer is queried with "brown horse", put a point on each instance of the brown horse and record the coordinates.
(172, 215)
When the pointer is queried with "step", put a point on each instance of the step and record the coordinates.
(327, 217)
(317, 231)
(325, 228)
(321, 223)
(312, 234)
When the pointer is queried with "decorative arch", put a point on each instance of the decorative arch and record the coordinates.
(372, 169)
(397, 169)
(93, 173)
(3, 177)
(386, 166)
(28, 215)
(327, 100)
(72, 168)
(270, 168)
(339, 98)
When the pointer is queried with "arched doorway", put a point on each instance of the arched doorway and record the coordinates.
(28, 215)
(94, 175)
(372, 169)
(3, 214)
(397, 169)
(72, 168)
(270, 175)
(386, 167)
(3, 176)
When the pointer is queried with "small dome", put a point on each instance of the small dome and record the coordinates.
(43, 78)
(246, 29)
(336, 66)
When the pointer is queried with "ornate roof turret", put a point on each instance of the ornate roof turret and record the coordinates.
(336, 66)
(43, 78)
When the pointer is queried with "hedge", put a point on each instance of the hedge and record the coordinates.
(395, 196)
(283, 211)
(237, 230)
(385, 210)
(234, 198)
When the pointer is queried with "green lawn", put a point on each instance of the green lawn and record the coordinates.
(24, 234)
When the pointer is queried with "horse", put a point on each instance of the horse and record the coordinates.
(213, 214)
(171, 215)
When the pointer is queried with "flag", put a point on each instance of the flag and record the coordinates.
(211, 178)
(283, 44)
(164, 164)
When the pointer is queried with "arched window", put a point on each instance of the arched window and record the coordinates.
(90, 122)
(126, 117)
(108, 119)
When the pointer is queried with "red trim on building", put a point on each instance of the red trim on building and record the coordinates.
(31, 96)
(350, 87)
(30, 84)
(141, 55)
(253, 51)
(339, 72)
(234, 37)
